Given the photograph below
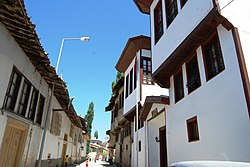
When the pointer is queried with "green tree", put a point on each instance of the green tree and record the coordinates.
(119, 75)
(96, 134)
(89, 119)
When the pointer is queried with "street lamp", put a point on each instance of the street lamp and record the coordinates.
(84, 39)
(50, 100)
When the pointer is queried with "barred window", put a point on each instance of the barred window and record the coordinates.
(158, 23)
(171, 11)
(193, 75)
(213, 58)
(178, 86)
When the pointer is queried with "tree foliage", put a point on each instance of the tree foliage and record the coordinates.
(96, 134)
(89, 119)
(119, 75)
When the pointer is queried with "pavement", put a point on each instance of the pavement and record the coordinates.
(98, 163)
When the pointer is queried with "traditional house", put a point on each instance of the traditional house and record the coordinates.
(200, 53)
(135, 63)
(120, 132)
(29, 104)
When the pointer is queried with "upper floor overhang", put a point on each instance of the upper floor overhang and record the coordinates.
(150, 100)
(133, 45)
(196, 38)
(144, 5)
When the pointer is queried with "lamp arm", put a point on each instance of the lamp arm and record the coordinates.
(59, 56)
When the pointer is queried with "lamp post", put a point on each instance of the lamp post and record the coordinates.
(84, 39)
(51, 100)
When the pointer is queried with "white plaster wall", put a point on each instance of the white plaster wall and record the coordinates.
(190, 15)
(142, 154)
(153, 131)
(220, 107)
(11, 54)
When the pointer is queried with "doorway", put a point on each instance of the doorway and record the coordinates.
(13, 143)
(64, 148)
(163, 147)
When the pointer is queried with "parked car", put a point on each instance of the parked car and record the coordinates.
(210, 164)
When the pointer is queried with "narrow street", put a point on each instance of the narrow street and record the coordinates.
(94, 164)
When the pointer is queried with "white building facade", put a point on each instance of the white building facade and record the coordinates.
(26, 81)
(135, 63)
(200, 53)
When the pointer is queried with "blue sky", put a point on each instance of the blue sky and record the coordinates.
(87, 68)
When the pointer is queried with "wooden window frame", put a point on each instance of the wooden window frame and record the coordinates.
(211, 71)
(131, 81)
(12, 91)
(193, 129)
(183, 2)
(158, 21)
(33, 104)
(181, 96)
(193, 82)
(171, 5)
(127, 87)
(135, 74)
(24, 98)
(147, 79)
(40, 109)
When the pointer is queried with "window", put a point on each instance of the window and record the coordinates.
(139, 146)
(131, 81)
(147, 71)
(40, 110)
(121, 100)
(183, 2)
(192, 128)
(127, 130)
(193, 75)
(178, 86)
(116, 110)
(33, 103)
(57, 123)
(158, 21)
(213, 58)
(135, 75)
(11, 95)
(24, 97)
(27, 100)
(140, 122)
(127, 77)
(171, 11)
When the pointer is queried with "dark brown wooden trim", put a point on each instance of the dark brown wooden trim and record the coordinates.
(242, 66)
(159, 113)
(163, 147)
(194, 40)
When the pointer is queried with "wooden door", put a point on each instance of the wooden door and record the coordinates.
(13, 143)
(163, 147)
